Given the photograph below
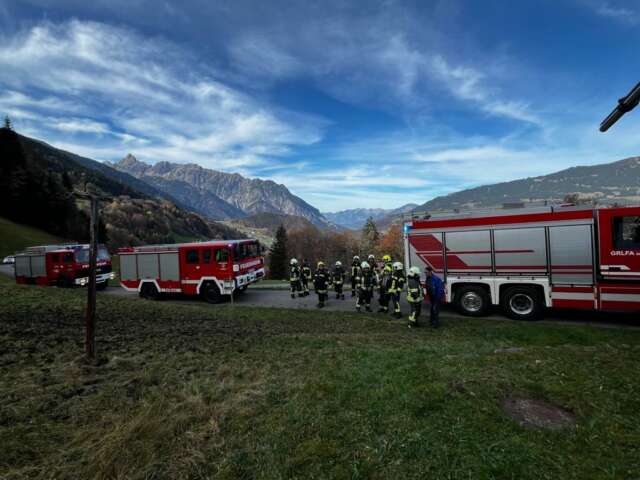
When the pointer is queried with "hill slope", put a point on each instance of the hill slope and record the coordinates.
(39, 183)
(607, 182)
(220, 195)
(15, 237)
(356, 218)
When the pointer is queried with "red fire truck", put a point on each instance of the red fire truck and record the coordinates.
(64, 265)
(527, 259)
(212, 269)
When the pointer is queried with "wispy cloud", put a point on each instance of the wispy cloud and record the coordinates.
(139, 94)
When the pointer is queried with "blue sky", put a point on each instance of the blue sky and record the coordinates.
(349, 104)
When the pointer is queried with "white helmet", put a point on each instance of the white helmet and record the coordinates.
(397, 266)
(338, 263)
(365, 265)
(293, 261)
(414, 271)
(356, 257)
(371, 257)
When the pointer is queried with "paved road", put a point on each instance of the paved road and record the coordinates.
(279, 298)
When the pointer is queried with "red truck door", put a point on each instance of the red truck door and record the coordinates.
(619, 240)
(190, 263)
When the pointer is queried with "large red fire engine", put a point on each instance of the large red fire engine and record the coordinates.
(64, 265)
(524, 261)
(212, 269)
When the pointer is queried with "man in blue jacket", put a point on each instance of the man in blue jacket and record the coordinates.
(435, 290)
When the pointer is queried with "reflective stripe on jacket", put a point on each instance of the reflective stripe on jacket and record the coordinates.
(415, 293)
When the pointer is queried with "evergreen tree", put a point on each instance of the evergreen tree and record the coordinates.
(7, 123)
(278, 255)
(370, 237)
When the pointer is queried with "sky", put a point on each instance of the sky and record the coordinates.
(350, 104)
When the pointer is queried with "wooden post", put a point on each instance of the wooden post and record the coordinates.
(90, 319)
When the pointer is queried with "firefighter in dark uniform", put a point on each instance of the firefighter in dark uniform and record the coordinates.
(397, 285)
(338, 275)
(385, 284)
(294, 278)
(415, 295)
(321, 282)
(355, 273)
(305, 277)
(366, 283)
(371, 260)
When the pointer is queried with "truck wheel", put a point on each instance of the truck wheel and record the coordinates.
(149, 291)
(522, 303)
(210, 293)
(102, 285)
(472, 301)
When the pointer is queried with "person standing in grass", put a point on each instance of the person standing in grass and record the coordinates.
(415, 295)
(338, 276)
(384, 282)
(397, 285)
(305, 277)
(321, 282)
(366, 283)
(355, 273)
(294, 278)
(435, 291)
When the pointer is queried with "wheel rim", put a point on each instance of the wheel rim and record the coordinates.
(521, 303)
(471, 302)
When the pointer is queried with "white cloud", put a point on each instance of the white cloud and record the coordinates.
(616, 12)
(143, 95)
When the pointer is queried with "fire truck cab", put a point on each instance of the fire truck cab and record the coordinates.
(64, 265)
(530, 258)
(212, 269)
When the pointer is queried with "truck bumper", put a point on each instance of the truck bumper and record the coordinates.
(249, 278)
(99, 279)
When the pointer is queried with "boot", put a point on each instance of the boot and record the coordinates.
(342, 296)
(353, 294)
(397, 314)
(293, 295)
(382, 310)
(358, 308)
(368, 308)
(337, 296)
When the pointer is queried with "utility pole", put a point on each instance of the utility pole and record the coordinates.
(90, 317)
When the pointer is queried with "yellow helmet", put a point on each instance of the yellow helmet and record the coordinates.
(386, 258)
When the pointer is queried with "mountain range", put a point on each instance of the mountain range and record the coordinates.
(604, 183)
(355, 218)
(219, 195)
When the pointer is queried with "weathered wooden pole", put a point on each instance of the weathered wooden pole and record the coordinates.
(90, 319)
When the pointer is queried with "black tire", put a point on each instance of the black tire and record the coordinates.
(472, 301)
(522, 303)
(210, 293)
(102, 285)
(149, 291)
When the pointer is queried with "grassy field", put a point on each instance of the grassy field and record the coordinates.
(187, 391)
(15, 237)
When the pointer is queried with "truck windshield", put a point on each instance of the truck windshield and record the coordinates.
(247, 250)
(82, 255)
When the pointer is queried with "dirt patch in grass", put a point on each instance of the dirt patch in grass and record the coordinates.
(537, 413)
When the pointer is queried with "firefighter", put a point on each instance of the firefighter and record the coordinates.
(355, 273)
(371, 260)
(385, 284)
(305, 277)
(397, 285)
(366, 284)
(415, 295)
(321, 282)
(435, 291)
(294, 278)
(337, 277)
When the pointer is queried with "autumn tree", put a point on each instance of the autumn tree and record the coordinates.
(278, 256)
(369, 237)
(391, 243)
